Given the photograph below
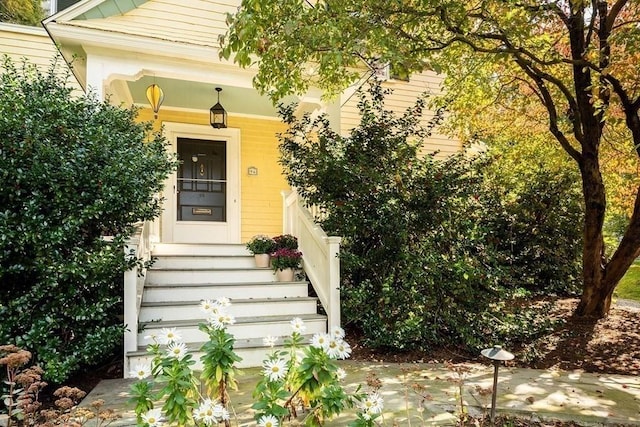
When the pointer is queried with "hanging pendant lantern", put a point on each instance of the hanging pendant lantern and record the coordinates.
(155, 97)
(217, 114)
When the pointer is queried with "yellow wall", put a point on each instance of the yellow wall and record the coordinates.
(21, 42)
(404, 96)
(261, 202)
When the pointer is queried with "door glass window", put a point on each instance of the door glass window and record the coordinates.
(202, 180)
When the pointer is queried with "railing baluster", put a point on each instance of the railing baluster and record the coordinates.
(320, 252)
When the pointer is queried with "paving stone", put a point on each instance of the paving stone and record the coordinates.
(590, 399)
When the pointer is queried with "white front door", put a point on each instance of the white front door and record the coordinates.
(202, 199)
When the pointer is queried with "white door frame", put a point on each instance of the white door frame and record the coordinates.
(198, 231)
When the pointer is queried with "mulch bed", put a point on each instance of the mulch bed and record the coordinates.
(609, 345)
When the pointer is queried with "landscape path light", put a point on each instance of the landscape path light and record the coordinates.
(497, 356)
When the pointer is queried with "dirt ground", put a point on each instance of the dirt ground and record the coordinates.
(608, 345)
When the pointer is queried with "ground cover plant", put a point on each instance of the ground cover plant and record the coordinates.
(76, 171)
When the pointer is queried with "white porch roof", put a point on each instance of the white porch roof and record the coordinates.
(119, 47)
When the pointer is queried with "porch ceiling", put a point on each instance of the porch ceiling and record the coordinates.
(194, 95)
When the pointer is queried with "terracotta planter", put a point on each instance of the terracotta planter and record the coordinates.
(262, 260)
(285, 275)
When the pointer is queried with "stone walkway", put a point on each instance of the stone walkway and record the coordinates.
(589, 399)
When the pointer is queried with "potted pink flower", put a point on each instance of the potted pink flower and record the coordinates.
(284, 262)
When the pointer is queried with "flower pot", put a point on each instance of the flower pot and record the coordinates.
(285, 275)
(262, 260)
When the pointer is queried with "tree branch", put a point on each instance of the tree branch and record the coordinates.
(630, 109)
(551, 109)
(614, 12)
(591, 26)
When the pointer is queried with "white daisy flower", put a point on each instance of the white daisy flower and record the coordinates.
(223, 302)
(209, 412)
(169, 335)
(333, 349)
(337, 332)
(298, 325)
(153, 417)
(274, 369)
(141, 371)
(373, 404)
(344, 350)
(206, 306)
(150, 337)
(341, 374)
(177, 350)
(229, 319)
(320, 340)
(269, 341)
(268, 421)
(200, 415)
(221, 320)
(224, 414)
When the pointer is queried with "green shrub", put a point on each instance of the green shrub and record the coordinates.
(74, 170)
(426, 255)
(535, 227)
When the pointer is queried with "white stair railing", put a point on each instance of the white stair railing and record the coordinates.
(137, 246)
(319, 253)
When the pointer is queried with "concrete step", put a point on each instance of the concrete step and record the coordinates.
(179, 310)
(160, 249)
(252, 351)
(202, 291)
(245, 327)
(162, 276)
(203, 261)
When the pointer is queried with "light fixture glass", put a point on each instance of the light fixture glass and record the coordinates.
(217, 114)
(155, 97)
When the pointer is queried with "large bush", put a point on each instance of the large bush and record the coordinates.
(427, 257)
(73, 169)
(533, 212)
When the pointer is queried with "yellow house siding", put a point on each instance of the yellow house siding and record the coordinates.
(404, 96)
(21, 42)
(170, 20)
(18, 42)
(261, 198)
(261, 202)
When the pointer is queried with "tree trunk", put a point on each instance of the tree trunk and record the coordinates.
(595, 299)
(601, 278)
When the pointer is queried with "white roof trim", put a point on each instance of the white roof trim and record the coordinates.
(72, 11)
(22, 29)
(128, 42)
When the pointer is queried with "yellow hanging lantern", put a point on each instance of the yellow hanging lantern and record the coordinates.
(155, 97)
